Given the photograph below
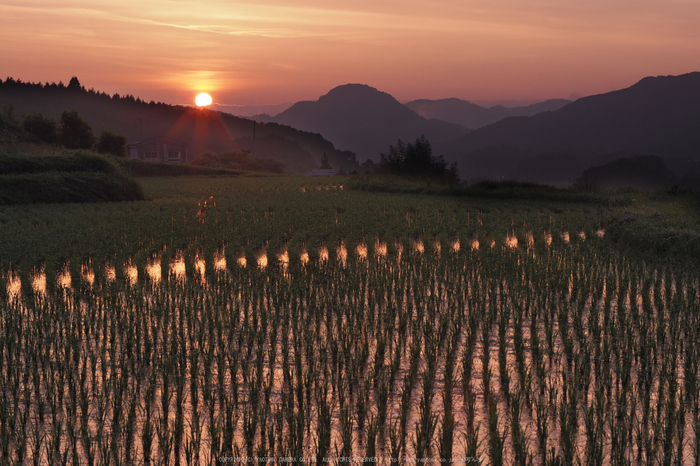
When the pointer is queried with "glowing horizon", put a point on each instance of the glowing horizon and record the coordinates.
(269, 52)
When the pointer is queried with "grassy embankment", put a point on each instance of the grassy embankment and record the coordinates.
(34, 173)
(46, 174)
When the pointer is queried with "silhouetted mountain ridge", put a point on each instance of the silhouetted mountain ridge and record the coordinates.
(364, 120)
(473, 116)
(657, 115)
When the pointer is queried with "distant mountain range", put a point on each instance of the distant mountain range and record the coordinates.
(366, 121)
(550, 142)
(203, 130)
(473, 116)
(657, 116)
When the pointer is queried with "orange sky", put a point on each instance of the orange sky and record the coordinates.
(272, 51)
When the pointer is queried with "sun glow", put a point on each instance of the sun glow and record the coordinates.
(203, 99)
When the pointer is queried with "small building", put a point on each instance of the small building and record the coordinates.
(325, 172)
(158, 149)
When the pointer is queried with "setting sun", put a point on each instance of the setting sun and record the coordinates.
(203, 99)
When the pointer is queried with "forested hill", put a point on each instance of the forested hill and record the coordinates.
(202, 129)
(656, 116)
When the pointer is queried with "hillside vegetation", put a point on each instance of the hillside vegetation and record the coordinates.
(203, 130)
(46, 174)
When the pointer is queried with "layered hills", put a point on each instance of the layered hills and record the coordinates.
(202, 129)
(474, 116)
(656, 116)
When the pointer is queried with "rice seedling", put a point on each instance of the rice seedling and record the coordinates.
(542, 353)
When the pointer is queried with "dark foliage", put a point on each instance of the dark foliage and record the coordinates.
(111, 143)
(42, 128)
(10, 131)
(324, 162)
(417, 160)
(75, 132)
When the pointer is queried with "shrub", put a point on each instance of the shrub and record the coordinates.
(75, 133)
(42, 128)
(111, 143)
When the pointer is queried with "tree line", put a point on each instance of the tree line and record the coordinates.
(72, 132)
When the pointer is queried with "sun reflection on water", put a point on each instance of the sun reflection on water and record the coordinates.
(110, 273)
(39, 283)
(219, 261)
(154, 271)
(380, 248)
(14, 286)
(64, 280)
(177, 268)
(132, 274)
(88, 274)
(323, 254)
(342, 254)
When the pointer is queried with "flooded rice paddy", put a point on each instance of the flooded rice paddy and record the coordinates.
(504, 354)
(335, 325)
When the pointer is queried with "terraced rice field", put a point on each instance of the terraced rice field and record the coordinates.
(230, 318)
